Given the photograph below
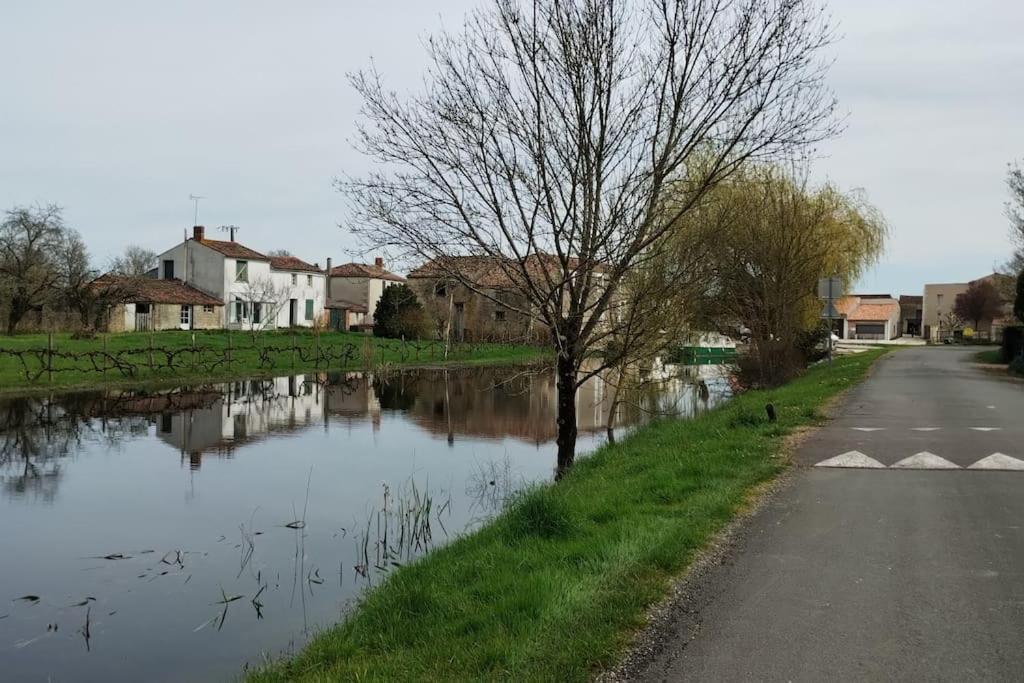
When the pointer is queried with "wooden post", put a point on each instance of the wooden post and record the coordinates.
(105, 355)
(316, 347)
(49, 356)
(229, 349)
(193, 352)
(293, 348)
(151, 352)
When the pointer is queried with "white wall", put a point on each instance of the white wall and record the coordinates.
(300, 291)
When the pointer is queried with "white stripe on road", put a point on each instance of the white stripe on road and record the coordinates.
(851, 459)
(926, 429)
(867, 429)
(998, 461)
(986, 429)
(925, 461)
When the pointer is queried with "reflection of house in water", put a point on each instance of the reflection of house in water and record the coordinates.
(244, 412)
(353, 397)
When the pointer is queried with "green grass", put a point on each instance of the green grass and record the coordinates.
(553, 588)
(368, 352)
(992, 356)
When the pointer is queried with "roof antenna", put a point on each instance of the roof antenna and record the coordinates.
(195, 201)
(232, 229)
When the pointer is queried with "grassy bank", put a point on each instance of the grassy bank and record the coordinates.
(172, 356)
(990, 356)
(552, 589)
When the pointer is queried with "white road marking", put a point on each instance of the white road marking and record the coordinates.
(991, 407)
(998, 461)
(867, 429)
(851, 459)
(926, 429)
(925, 461)
(986, 429)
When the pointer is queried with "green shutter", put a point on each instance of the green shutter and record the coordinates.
(309, 309)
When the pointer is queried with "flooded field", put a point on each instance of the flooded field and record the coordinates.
(184, 534)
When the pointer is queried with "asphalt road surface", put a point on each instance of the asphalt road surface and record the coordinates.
(908, 567)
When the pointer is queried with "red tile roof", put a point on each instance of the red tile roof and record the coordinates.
(233, 250)
(151, 291)
(872, 312)
(292, 263)
(364, 270)
(342, 305)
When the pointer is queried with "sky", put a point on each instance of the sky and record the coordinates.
(118, 111)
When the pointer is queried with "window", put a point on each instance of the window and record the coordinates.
(169, 269)
(309, 309)
(499, 316)
(440, 289)
(295, 279)
(241, 311)
(257, 310)
(166, 423)
(186, 314)
(309, 280)
(142, 308)
(207, 309)
(241, 271)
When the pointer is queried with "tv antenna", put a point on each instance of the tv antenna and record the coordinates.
(195, 202)
(232, 229)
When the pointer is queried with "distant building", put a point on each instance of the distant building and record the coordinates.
(255, 290)
(146, 304)
(911, 313)
(353, 290)
(940, 299)
(868, 317)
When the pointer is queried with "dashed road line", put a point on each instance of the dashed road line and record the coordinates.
(986, 429)
(867, 429)
(925, 429)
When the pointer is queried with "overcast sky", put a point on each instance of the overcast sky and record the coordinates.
(119, 110)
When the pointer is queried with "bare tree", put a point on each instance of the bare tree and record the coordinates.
(564, 138)
(30, 239)
(75, 277)
(1015, 212)
(135, 261)
(266, 298)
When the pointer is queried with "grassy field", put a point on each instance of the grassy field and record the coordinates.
(553, 588)
(992, 356)
(75, 367)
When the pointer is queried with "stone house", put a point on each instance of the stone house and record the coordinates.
(151, 305)
(353, 290)
(257, 291)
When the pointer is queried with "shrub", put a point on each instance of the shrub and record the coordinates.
(399, 314)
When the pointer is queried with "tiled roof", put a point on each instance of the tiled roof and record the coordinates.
(490, 271)
(149, 291)
(292, 263)
(233, 250)
(846, 304)
(871, 312)
(342, 305)
(364, 270)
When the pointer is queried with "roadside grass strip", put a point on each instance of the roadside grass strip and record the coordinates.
(553, 588)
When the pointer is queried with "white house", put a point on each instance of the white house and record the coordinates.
(258, 291)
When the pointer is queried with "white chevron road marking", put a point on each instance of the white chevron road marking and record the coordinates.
(998, 461)
(852, 459)
(925, 461)
(986, 429)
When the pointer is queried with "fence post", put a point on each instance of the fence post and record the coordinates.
(229, 349)
(193, 352)
(105, 354)
(316, 347)
(293, 348)
(151, 352)
(49, 356)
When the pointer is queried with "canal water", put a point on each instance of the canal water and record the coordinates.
(185, 534)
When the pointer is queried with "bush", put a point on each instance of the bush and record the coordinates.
(1013, 344)
(399, 314)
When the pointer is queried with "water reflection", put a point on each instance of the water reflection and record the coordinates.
(288, 495)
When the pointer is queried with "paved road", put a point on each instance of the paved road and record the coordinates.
(883, 573)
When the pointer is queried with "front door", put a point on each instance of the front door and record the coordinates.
(293, 312)
(186, 317)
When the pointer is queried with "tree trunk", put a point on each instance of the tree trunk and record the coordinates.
(566, 383)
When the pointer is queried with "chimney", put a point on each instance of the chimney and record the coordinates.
(198, 233)
(379, 262)
(327, 281)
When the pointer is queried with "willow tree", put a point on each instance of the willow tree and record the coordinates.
(556, 138)
(775, 237)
